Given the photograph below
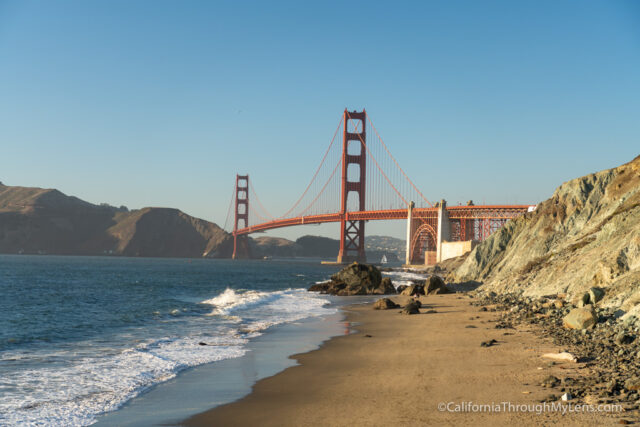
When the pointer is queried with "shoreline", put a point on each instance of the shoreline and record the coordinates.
(396, 369)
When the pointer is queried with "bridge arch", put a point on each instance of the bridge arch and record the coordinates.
(425, 237)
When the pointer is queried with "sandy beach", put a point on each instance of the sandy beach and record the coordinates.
(402, 370)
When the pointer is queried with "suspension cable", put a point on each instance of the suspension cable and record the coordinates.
(317, 171)
(395, 161)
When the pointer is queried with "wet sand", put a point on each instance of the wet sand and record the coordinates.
(399, 370)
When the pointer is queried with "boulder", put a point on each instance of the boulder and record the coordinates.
(356, 279)
(411, 308)
(595, 295)
(580, 318)
(384, 304)
(401, 288)
(414, 289)
(358, 274)
(386, 287)
(435, 285)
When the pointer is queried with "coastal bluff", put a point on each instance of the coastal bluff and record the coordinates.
(587, 235)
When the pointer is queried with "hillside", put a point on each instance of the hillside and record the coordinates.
(587, 234)
(36, 220)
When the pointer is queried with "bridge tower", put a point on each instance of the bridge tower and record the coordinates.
(352, 232)
(241, 214)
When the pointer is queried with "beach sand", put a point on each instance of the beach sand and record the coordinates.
(397, 370)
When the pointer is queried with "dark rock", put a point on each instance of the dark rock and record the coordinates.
(401, 288)
(384, 304)
(356, 279)
(415, 289)
(622, 338)
(435, 285)
(488, 343)
(358, 274)
(386, 287)
(202, 343)
(411, 308)
(595, 295)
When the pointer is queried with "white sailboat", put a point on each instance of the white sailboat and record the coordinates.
(383, 260)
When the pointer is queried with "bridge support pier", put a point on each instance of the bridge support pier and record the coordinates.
(352, 232)
(444, 228)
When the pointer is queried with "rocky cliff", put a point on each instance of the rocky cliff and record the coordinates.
(36, 220)
(587, 234)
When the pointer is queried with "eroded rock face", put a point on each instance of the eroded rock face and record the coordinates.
(356, 279)
(584, 239)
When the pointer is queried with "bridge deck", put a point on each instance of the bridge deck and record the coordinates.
(455, 212)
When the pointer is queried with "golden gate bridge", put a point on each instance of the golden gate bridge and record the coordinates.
(357, 181)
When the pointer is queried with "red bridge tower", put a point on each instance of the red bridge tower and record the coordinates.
(352, 232)
(242, 214)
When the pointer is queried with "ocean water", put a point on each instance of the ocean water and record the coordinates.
(81, 336)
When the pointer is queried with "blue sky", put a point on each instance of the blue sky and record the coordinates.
(161, 103)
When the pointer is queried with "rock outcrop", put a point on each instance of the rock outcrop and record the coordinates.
(587, 235)
(356, 279)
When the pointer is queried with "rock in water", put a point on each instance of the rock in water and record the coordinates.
(581, 318)
(358, 274)
(411, 308)
(384, 304)
(356, 279)
(435, 285)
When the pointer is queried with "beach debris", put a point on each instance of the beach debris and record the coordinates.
(562, 357)
(411, 308)
(489, 343)
(435, 285)
(384, 304)
(471, 327)
(368, 336)
(566, 397)
(580, 318)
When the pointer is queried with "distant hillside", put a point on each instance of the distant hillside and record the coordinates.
(386, 245)
(46, 221)
(315, 247)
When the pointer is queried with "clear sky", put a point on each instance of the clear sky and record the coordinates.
(161, 103)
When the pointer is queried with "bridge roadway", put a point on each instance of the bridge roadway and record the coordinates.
(454, 212)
